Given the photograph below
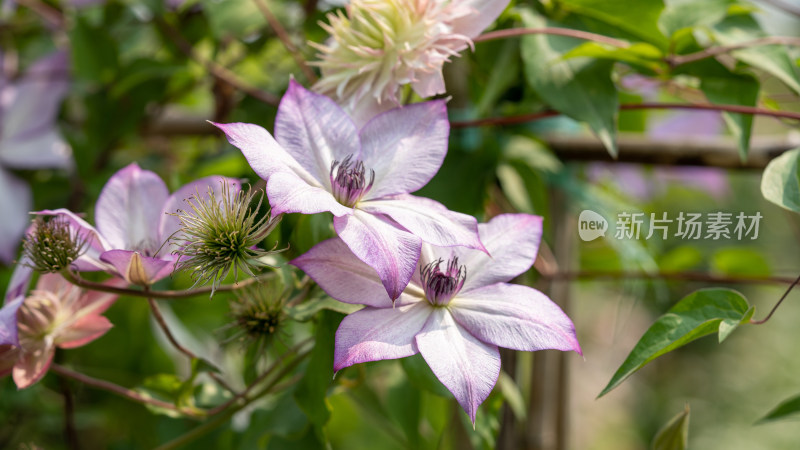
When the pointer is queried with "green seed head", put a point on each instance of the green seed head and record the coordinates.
(219, 233)
(258, 315)
(51, 245)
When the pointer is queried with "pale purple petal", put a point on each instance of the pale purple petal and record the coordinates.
(129, 208)
(391, 251)
(170, 223)
(32, 364)
(15, 202)
(512, 240)
(315, 131)
(8, 321)
(20, 279)
(28, 135)
(515, 317)
(289, 194)
(374, 334)
(466, 366)
(262, 152)
(429, 220)
(486, 11)
(346, 278)
(135, 268)
(365, 109)
(405, 147)
(95, 243)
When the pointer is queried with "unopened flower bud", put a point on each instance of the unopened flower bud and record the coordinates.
(220, 231)
(52, 245)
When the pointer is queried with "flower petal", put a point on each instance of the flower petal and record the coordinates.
(135, 268)
(289, 194)
(262, 152)
(374, 334)
(486, 12)
(170, 223)
(348, 279)
(8, 321)
(315, 131)
(95, 243)
(32, 364)
(429, 220)
(29, 138)
(83, 331)
(405, 147)
(466, 366)
(15, 202)
(429, 84)
(128, 210)
(391, 251)
(512, 240)
(515, 317)
(8, 357)
(20, 279)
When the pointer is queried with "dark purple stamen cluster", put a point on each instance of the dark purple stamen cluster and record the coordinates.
(348, 180)
(440, 286)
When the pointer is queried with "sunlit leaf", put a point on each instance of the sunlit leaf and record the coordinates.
(786, 409)
(640, 18)
(699, 314)
(780, 182)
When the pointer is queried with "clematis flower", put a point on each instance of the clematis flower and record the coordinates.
(133, 223)
(456, 311)
(319, 161)
(29, 139)
(378, 46)
(56, 314)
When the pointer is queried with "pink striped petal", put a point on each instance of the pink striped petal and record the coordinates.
(128, 210)
(8, 321)
(466, 366)
(288, 193)
(84, 330)
(16, 200)
(405, 147)
(346, 278)
(262, 152)
(32, 365)
(429, 220)
(515, 317)
(374, 334)
(315, 131)
(486, 11)
(391, 251)
(512, 240)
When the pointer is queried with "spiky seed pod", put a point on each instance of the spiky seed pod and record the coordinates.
(219, 233)
(52, 245)
(258, 315)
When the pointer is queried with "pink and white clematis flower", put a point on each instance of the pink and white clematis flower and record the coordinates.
(319, 161)
(378, 46)
(29, 139)
(133, 224)
(456, 311)
(55, 314)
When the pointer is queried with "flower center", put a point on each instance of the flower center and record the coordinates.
(348, 180)
(440, 286)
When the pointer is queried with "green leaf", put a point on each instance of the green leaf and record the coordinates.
(640, 18)
(309, 308)
(786, 409)
(512, 395)
(422, 376)
(773, 59)
(312, 389)
(780, 182)
(233, 18)
(638, 54)
(699, 314)
(405, 402)
(580, 88)
(94, 54)
(678, 16)
(675, 434)
(734, 89)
